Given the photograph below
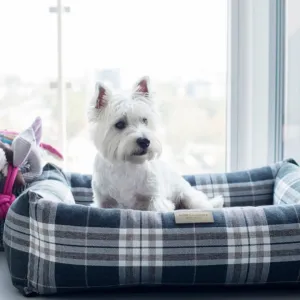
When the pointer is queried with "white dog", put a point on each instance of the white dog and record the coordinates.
(127, 170)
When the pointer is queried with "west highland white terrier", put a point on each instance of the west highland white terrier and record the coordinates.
(127, 170)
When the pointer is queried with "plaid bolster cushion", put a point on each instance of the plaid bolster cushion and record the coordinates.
(54, 247)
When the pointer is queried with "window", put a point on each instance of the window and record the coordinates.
(180, 44)
(291, 142)
(222, 76)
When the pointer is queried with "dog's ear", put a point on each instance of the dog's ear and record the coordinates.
(142, 87)
(102, 95)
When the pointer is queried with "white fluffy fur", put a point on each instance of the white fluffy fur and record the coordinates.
(124, 179)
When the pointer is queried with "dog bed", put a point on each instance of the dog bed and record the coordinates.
(54, 246)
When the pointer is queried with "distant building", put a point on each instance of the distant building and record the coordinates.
(198, 89)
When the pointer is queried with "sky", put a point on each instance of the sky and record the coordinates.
(166, 39)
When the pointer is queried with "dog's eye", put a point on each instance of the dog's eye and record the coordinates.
(145, 120)
(120, 125)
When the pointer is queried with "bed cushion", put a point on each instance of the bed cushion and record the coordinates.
(54, 247)
(253, 187)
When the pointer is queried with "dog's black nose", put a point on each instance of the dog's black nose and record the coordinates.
(143, 143)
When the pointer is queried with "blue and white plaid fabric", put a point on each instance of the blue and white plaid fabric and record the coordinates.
(81, 188)
(54, 247)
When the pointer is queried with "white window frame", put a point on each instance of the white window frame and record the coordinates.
(277, 85)
(255, 83)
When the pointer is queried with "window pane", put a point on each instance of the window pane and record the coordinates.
(292, 105)
(180, 44)
(28, 63)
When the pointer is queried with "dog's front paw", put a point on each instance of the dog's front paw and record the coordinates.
(161, 205)
(217, 202)
(168, 206)
(94, 204)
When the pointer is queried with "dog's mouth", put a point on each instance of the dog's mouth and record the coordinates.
(139, 152)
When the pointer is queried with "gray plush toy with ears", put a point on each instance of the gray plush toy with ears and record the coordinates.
(24, 152)
(21, 163)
